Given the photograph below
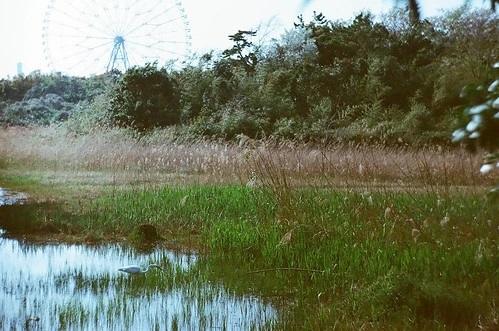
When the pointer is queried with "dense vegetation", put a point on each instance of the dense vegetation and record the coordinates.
(386, 79)
(347, 236)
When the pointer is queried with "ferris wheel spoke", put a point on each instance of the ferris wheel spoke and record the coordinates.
(169, 22)
(125, 20)
(147, 23)
(116, 22)
(94, 36)
(160, 52)
(69, 19)
(159, 33)
(81, 51)
(89, 27)
(159, 15)
(76, 61)
(153, 8)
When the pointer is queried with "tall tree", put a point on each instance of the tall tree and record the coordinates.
(243, 50)
(415, 9)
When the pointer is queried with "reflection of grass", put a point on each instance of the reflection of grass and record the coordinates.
(71, 315)
(174, 298)
(405, 238)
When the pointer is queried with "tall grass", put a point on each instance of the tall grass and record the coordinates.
(390, 259)
(403, 238)
(118, 156)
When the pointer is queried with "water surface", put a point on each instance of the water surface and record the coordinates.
(79, 287)
(8, 197)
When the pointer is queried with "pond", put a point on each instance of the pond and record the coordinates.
(59, 286)
(9, 197)
(51, 286)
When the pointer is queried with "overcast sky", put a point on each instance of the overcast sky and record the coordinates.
(211, 21)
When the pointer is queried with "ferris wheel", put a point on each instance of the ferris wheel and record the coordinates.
(87, 37)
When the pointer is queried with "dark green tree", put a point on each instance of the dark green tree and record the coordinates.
(145, 97)
(415, 9)
(242, 52)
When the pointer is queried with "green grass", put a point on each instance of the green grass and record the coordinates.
(389, 260)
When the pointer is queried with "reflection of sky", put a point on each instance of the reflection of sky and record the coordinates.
(9, 197)
(50, 281)
(53, 259)
(211, 21)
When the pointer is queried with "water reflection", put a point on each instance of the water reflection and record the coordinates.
(48, 287)
(9, 197)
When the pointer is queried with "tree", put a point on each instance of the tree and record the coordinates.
(415, 9)
(145, 98)
(242, 50)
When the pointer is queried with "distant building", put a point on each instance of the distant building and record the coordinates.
(19, 68)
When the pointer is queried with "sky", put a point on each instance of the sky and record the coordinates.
(211, 22)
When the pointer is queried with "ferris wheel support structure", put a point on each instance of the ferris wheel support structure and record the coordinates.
(118, 54)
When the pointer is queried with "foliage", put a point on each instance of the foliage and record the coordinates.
(386, 79)
(242, 51)
(48, 109)
(39, 99)
(13, 90)
(145, 97)
(481, 121)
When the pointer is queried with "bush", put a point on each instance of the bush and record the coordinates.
(145, 98)
(43, 111)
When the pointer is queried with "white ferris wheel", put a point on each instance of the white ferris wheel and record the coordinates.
(87, 37)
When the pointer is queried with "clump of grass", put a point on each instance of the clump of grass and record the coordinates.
(425, 301)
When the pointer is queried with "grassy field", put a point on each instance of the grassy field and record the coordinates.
(338, 236)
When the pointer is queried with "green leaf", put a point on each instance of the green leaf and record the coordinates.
(478, 109)
(493, 86)
(458, 135)
(474, 135)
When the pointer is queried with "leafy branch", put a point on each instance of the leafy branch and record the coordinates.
(481, 119)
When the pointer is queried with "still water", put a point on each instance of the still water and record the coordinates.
(9, 197)
(78, 287)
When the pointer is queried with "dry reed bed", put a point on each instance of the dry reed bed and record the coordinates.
(160, 157)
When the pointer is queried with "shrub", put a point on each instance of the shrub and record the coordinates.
(145, 98)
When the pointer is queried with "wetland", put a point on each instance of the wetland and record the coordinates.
(344, 237)
(49, 286)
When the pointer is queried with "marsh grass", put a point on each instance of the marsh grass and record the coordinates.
(112, 157)
(399, 259)
(405, 238)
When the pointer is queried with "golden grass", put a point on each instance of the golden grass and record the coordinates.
(115, 157)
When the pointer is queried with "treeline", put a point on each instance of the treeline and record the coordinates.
(386, 79)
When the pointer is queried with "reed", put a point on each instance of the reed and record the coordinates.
(114, 157)
(404, 239)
